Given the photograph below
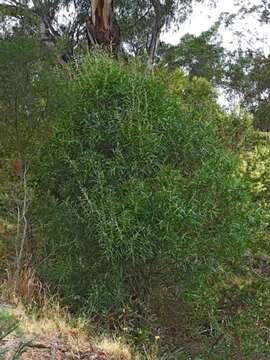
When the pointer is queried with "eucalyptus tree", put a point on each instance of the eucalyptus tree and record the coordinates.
(261, 8)
(248, 77)
(248, 68)
(33, 19)
(142, 22)
(200, 56)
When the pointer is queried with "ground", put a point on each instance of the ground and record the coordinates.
(51, 338)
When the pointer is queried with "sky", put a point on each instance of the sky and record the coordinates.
(256, 36)
(203, 17)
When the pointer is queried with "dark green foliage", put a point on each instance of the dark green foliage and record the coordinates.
(26, 102)
(136, 190)
(137, 19)
(248, 76)
(31, 96)
(200, 56)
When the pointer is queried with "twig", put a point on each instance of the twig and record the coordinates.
(24, 218)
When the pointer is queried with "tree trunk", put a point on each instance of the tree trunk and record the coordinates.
(156, 31)
(155, 38)
(102, 28)
(46, 36)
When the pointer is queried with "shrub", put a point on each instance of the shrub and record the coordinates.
(255, 165)
(136, 189)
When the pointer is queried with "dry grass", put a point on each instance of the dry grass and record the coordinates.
(116, 349)
(28, 288)
(52, 325)
(42, 319)
(51, 321)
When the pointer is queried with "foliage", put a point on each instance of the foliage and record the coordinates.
(248, 75)
(7, 326)
(141, 22)
(137, 19)
(147, 204)
(243, 75)
(244, 301)
(136, 190)
(28, 102)
(261, 8)
(25, 101)
(200, 56)
(255, 166)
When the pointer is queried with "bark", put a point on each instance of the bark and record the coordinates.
(156, 31)
(154, 44)
(46, 36)
(102, 27)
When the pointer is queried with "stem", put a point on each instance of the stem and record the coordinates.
(24, 234)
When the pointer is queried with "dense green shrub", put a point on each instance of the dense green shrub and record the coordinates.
(255, 165)
(136, 189)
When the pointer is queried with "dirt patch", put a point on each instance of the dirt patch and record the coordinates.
(52, 349)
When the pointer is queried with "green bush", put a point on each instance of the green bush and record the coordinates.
(136, 189)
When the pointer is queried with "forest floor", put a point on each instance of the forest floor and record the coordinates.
(51, 338)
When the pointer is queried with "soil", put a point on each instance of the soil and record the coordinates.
(52, 349)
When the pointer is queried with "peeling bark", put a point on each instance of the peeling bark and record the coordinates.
(102, 28)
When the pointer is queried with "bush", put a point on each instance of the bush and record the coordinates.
(137, 190)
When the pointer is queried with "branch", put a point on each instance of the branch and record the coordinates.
(16, 11)
(24, 219)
